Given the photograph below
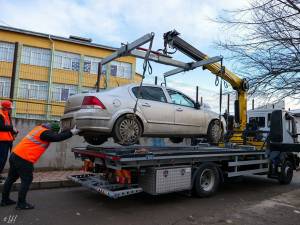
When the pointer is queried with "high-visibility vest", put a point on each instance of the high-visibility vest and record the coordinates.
(6, 135)
(31, 147)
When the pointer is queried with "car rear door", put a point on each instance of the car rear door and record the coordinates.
(188, 119)
(158, 113)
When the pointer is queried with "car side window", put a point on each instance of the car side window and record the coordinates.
(180, 99)
(150, 93)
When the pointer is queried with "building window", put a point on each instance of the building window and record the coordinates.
(91, 65)
(36, 56)
(30, 116)
(88, 90)
(29, 89)
(4, 86)
(121, 69)
(61, 92)
(66, 61)
(7, 51)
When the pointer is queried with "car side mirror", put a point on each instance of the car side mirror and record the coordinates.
(197, 105)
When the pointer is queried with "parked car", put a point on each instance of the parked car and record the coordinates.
(161, 112)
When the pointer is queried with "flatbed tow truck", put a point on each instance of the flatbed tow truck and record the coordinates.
(159, 170)
(121, 171)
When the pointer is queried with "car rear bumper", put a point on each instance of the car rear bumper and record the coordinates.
(87, 121)
(100, 125)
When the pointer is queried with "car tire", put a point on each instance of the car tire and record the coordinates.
(214, 134)
(95, 140)
(207, 180)
(127, 130)
(176, 140)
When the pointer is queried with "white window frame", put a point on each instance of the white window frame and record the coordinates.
(88, 90)
(39, 93)
(122, 67)
(42, 57)
(94, 63)
(7, 54)
(5, 83)
(57, 89)
(30, 116)
(65, 60)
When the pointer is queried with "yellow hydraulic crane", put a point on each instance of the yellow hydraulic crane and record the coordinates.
(240, 85)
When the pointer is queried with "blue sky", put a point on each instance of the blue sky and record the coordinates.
(116, 21)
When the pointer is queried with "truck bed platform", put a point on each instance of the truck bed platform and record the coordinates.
(135, 156)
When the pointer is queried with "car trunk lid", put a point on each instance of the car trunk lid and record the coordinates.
(74, 103)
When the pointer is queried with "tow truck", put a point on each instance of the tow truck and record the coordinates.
(120, 171)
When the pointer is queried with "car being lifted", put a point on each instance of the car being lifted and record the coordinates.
(161, 112)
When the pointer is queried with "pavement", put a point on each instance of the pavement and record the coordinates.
(49, 179)
(247, 201)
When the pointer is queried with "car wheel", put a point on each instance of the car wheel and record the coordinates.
(214, 132)
(95, 140)
(207, 180)
(176, 140)
(127, 130)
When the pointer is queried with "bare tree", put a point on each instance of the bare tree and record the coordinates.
(266, 46)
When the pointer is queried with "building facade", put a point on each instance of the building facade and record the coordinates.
(47, 69)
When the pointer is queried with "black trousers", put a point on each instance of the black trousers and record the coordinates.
(18, 168)
(5, 147)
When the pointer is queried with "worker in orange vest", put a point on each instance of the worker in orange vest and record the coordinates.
(7, 134)
(25, 154)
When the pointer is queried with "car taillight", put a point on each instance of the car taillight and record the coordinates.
(92, 102)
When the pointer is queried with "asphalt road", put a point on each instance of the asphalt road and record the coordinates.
(250, 200)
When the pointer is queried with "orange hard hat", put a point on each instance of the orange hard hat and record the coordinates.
(6, 104)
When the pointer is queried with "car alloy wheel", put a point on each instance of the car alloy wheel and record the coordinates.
(127, 130)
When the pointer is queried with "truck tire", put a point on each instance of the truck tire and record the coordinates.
(207, 180)
(286, 174)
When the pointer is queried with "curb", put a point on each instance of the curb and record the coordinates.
(45, 185)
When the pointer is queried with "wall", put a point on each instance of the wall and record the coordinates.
(59, 156)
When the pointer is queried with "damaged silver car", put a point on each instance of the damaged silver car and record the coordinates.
(160, 112)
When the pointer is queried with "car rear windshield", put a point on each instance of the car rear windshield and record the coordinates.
(150, 93)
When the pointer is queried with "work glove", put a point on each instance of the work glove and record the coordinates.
(74, 130)
(15, 131)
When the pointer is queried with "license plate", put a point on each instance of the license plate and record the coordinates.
(66, 124)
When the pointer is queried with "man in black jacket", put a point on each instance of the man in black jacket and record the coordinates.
(25, 154)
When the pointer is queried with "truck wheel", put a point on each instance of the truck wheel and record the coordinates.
(207, 180)
(286, 174)
(214, 132)
(127, 130)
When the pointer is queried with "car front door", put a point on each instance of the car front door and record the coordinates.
(188, 119)
(158, 113)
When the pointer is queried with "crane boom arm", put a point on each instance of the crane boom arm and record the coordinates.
(172, 39)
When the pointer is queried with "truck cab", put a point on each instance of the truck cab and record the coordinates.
(262, 119)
